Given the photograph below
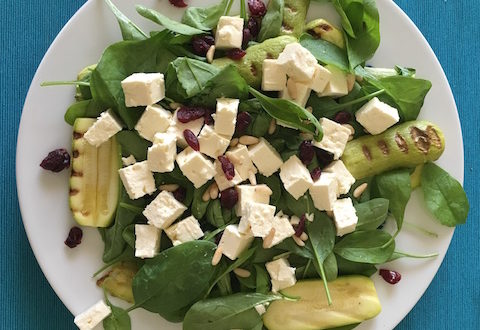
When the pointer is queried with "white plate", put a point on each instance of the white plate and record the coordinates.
(44, 196)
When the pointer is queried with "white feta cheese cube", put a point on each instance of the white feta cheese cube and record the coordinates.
(90, 318)
(335, 137)
(177, 128)
(163, 210)
(211, 143)
(161, 155)
(283, 229)
(281, 274)
(344, 178)
(240, 158)
(344, 216)
(130, 160)
(222, 181)
(103, 129)
(274, 77)
(246, 193)
(229, 32)
(376, 116)
(298, 62)
(324, 191)
(295, 177)
(147, 241)
(320, 79)
(195, 166)
(142, 89)
(137, 179)
(298, 92)
(226, 117)
(233, 243)
(184, 231)
(258, 219)
(338, 84)
(265, 157)
(154, 119)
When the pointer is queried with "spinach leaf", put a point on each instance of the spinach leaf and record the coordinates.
(130, 31)
(371, 247)
(204, 18)
(290, 246)
(175, 278)
(347, 26)
(199, 206)
(81, 109)
(272, 21)
(273, 182)
(299, 206)
(262, 280)
(331, 268)
(166, 22)
(231, 312)
(118, 319)
(128, 235)
(444, 196)
(214, 214)
(325, 52)
(260, 119)
(290, 113)
(371, 214)
(347, 267)
(133, 144)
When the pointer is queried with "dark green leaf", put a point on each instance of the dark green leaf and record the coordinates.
(300, 206)
(204, 18)
(82, 109)
(214, 214)
(118, 319)
(272, 21)
(325, 52)
(133, 144)
(166, 22)
(199, 206)
(371, 214)
(347, 26)
(347, 267)
(273, 182)
(262, 280)
(128, 235)
(372, 247)
(331, 268)
(130, 31)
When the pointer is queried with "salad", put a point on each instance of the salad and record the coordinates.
(240, 169)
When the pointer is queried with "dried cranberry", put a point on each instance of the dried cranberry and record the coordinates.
(243, 121)
(390, 276)
(208, 116)
(300, 228)
(342, 117)
(74, 237)
(247, 36)
(228, 198)
(307, 152)
(324, 157)
(257, 8)
(253, 26)
(188, 114)
(315, 173)
(56, 160)
(191, 139)
(180, 194)
(178, 3)
(227, 167)
(236, 54)
(201, 44)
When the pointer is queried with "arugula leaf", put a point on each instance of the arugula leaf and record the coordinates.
(118, 319)
(444, 196)
(371, 247)
(272, 21)
(166, 22)
(81, 109)
(130, 31)
(290, 113)
(371, 214)
(325, 52)
(204, 18)
(133, 144)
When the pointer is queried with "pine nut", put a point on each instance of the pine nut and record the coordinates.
(306, 136)
(294, 220)
(304, 236)
(169, 187)
(252, 178)
(240, 272)
(210, 54)
(233, 142)
(273, 126)
(217, 256)
(330, 214)
(360, 190)
(206, 195)
(213, 191)
(309, 109)
(268, 240)
(248, 140)
(298, 241)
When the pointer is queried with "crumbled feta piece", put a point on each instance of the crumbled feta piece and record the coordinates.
(233, 243)
(222, 181)
(177, 128)
(147, 241)
(229, 32)
(246, 193)
(226, 117)
(154, 119)
(320, 79)
(137, 179)
(335, 137)
(295, 177)
(324, 191)
(344, 216)
(258, 219)
(265, 157)
(338, 84)
(142, 89)
(283, 229)
(103, 129)
(90, 318)
(130, 160)
(376, 116)
(344, 178)
(240, 159)
(261, 309)
(298, 92)
(195, 166)
(161, 155)
(184, 231)
(298, 62)
(211, 143)
(274, 77)
(281, 274)
(163, 210)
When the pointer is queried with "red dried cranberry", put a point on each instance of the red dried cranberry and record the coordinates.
(342, 117)
(56, 160)
(257, 8)
(227, 167)
(306, 152)
(201, 44)
(188, 114)
(191, 139)
(180, 194)
(253, 26)
(243, 121)
(324, 157)
(228, 198)
(208, 117)
(178, 3)
(74, 237)
(300, 228)
(236, 54)
(247, 36)
(390, 276)
(315, 173)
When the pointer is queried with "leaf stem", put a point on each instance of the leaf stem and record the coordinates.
(356, 101)
(243, 10)
(229, 6)
(324, 278)
(288, 297)
(417, 256)
(65, 83)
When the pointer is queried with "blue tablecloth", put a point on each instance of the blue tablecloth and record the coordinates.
(28, 27)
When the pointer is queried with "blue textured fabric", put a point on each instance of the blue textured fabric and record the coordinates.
(28, 27)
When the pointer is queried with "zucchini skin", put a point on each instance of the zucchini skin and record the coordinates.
(405, 145)
(294, 17)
